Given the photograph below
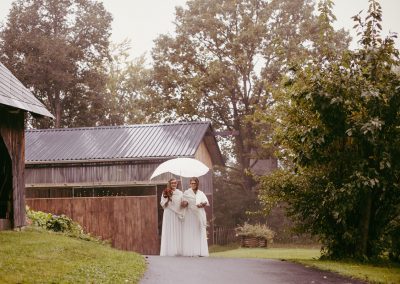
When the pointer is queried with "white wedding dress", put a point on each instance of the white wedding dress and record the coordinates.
(171, 234)
(195, 225)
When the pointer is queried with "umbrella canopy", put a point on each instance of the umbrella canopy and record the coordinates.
(184, 167)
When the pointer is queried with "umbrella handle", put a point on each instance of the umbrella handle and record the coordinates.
(181, 178)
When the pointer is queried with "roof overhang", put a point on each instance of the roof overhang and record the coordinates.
(103, 161)
(213, 148)
(14, 94)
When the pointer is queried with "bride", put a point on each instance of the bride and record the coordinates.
(171, 234)
(195, 223)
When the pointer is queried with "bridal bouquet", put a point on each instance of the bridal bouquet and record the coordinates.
(167, 193)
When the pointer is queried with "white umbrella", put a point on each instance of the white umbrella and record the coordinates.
(184, 167)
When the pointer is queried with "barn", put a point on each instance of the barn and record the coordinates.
(99, 176)
(15, 102)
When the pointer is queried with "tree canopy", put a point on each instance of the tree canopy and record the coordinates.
(337, 126)
(58, 49)
(126, 87)
(224, 61)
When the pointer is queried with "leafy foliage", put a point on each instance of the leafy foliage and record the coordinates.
(126, 86)
(223, 62)
(232, 204)
(338, 130)
(58, 49)
(58, 223)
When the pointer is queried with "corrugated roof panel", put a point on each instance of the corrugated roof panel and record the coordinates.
(123, 141)
(166, 141)
(137, 138)
(116, 142)
(177, 151)
(13, 93)
(161, 139)
(193, 144)
(169, 139)
(150, 139)
(173, 145)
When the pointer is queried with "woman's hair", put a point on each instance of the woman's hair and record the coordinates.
(196, 180)
(169, 183)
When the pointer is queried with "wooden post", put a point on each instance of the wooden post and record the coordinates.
(12, 132)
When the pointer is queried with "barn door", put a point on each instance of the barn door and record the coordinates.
(5, 187)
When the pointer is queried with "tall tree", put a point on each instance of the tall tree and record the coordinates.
(338, 129)
(225, 59)
(126, 85)
(58, 49)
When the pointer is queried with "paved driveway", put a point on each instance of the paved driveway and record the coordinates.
(209, 270)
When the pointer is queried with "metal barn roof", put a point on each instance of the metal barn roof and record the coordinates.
(14, 94)
(134, 142)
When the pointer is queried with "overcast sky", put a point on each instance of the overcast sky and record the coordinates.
(143, 20)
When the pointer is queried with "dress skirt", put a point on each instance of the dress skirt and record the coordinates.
(171, 234)
(194, 236)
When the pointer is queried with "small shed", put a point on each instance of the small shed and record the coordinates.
(15, 101)
(99, 176)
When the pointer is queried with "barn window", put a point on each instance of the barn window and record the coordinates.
(90, 191)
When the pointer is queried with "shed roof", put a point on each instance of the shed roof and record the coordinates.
(133, 142)
(14, 94)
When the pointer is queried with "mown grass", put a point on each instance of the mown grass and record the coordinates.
(217, 248)
(38, 256)
(308, 256)
(378, 273)
(274, 253)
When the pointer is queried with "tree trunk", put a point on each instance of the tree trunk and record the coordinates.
(362, 249)
(58, 110)
(243, 152)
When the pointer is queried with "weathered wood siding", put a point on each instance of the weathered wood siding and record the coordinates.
(203, 155)
(93, 172)
(129, 222)
(12, 133)
(102, 172)
(5, 224)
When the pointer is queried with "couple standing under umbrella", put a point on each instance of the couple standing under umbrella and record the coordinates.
(184, 221)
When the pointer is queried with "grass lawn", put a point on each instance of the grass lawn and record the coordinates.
(36, 256)
(382, 273)
(275, 253)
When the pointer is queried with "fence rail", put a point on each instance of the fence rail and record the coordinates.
(224, 236)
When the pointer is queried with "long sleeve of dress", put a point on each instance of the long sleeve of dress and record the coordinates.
(201, 198)
(163, 202)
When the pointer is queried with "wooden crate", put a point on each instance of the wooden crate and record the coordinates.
(253, 242)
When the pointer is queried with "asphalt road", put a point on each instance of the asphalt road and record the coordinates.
(209, 270)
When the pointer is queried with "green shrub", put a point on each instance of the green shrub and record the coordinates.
(394, 241)
(258, 231)
(38, 218)
(58, 223)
